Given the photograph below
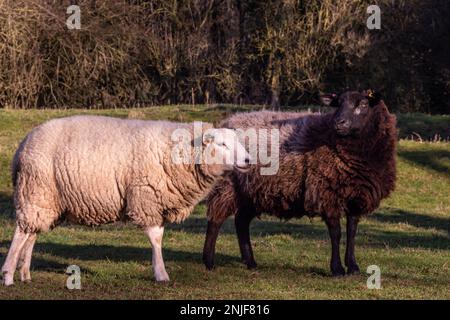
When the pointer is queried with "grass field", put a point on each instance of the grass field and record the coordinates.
(408, 237)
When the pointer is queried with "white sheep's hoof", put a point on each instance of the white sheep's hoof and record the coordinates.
(25, 276)
(162, 277)
(8, 278)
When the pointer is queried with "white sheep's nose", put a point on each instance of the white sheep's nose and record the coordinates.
(243, 159)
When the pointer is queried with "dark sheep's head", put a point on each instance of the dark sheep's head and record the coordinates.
(354, 111)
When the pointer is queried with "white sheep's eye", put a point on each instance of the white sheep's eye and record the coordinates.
(357, 110)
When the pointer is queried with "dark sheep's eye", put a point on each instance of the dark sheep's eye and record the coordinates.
(363, 105)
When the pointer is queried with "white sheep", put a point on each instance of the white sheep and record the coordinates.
(93, 170)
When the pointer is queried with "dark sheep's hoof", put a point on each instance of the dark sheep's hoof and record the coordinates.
(209, 266)
(251, 265)
(353, 270)
(209, 263)
(338, 271)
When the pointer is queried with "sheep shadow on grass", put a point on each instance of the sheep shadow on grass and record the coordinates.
(6, 205)
(266, 227)
(72, 253)
(373, 237)
(376, 236)
(94, 252)
(415, 219)
(429, 159)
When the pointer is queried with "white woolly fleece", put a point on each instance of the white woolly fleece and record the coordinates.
(94, 170)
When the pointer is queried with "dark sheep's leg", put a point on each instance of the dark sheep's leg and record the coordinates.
(334, 229)
(209, 249)
(350, 260)
(242, 223)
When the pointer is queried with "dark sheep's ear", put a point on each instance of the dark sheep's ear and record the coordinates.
(330, 100)
(374, 97)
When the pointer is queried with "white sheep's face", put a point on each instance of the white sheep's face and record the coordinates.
(223, 148)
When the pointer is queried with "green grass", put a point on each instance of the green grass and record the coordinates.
(408, 237)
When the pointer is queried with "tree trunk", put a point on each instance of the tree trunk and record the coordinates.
(275, 66)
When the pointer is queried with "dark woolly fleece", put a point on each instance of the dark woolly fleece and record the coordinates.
(320, 173)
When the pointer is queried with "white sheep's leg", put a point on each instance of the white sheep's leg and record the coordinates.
(155, 234)
(9, 267)
(25, 258)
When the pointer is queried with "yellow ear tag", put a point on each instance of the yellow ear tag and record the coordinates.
(370, 93)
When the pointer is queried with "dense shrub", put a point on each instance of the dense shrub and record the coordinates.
(275, 52)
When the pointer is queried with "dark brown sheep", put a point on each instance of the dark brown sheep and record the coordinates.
(331, 165)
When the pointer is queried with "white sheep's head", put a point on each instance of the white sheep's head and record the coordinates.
(223, 149)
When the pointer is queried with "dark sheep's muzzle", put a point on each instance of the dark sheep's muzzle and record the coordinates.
(342, 127)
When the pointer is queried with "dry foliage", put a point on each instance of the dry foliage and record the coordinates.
(138, 53)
